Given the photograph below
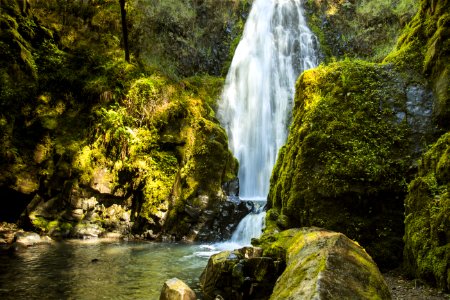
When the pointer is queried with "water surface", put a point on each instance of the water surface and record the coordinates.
(124, 270)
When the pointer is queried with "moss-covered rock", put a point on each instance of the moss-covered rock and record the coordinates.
(240, 274)
(427, 222)
(323, 265)
(423, 49)
(348, 151)
(358, 29)
(307, 263)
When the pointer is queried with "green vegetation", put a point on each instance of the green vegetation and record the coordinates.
(77, 119)
(358, 29)
(427, 223)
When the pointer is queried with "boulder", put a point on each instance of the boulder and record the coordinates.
(175, 289)
(87, 230)
(240, 274)
(323, 264)
(27, 238)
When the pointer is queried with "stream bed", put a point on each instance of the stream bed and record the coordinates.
(98, 269)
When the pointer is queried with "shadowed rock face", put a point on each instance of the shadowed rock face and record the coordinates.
(240, 274)
(427, 222)
(307, 263)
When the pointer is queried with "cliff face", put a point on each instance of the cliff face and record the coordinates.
(92, 144)
(358, 129)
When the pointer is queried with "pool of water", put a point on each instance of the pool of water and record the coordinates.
(99, 270)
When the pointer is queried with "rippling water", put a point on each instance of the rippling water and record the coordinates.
(124, 270)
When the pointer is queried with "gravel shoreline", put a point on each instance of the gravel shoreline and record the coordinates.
(403, 288)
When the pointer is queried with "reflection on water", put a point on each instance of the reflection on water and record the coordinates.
(66, 270)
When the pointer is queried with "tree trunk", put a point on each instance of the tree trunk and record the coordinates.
(123, 13)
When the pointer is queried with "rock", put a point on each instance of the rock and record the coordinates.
(89, 204)
(231, 188)
(112, 235)
(27, 238)
(240, 274)
(427, 222)
(77, 214)
(86, 231)
(175, 289)
(330, 175)
(219, 224)
(322, 264)
(101, 180)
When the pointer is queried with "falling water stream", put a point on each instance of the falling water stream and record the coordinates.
(275, 48)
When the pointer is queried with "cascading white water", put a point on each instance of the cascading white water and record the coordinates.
(275, 48)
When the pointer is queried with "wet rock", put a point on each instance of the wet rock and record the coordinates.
(27, 238)
(231, 188)
(175, 289)
(240, 274)
(8, 231)
(86, 231)
(112, 235)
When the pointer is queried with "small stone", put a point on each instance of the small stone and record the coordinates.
(27, 238)
(175, 289)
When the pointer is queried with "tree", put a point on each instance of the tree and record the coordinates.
(123, 14)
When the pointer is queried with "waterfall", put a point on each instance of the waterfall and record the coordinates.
(275, 48)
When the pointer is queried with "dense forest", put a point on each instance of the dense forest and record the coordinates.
(108, 123)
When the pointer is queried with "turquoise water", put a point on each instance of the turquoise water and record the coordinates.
(124, 270)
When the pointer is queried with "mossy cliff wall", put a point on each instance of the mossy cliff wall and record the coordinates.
(358, 129)
(93, 144)
(358, 28)
(348, 149)
(427, 223)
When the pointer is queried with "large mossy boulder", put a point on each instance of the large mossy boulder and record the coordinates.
(356, 127)
(322, 264)
(427, 223)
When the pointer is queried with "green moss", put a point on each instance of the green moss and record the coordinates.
(312, 256)
(427, 240)
(346, 152)
(422, 48)
(358, 29)
(51, 226)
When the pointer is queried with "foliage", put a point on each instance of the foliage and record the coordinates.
(187, 37)
(73, 110)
